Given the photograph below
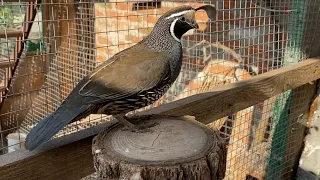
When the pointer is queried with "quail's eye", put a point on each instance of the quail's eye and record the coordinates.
(183, 19)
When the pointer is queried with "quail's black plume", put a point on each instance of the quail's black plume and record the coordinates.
(131, 79)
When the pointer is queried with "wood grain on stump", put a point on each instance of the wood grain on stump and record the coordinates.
(177, 148)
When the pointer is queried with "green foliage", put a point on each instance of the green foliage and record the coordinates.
(6, 15)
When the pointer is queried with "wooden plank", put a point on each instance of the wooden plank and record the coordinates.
(9, 33)
(6, 62)
(17, 1)
(231, 98)
(313, 108)
(2, 87)
(74, 160)
(298, 118)
(68, 48)
(39, 165)
(264, 123)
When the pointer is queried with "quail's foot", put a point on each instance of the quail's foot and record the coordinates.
(147, 125)
(136, 129)
(141, 128)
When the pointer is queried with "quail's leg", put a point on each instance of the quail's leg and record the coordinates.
(144, 125)
(129, 126)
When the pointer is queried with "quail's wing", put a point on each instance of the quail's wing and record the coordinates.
(130, 72)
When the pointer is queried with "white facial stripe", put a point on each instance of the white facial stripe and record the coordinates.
(172, 30)
(178, 14)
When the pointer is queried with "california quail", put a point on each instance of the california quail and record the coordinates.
(131, 79)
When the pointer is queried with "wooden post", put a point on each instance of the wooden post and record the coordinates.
(177, 148)
(68, 47)
(281, 120)
(298, 118)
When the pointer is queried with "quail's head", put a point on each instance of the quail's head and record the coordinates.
(181, 19)
(178, 21)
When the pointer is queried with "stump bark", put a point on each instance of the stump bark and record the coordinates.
(177, 148)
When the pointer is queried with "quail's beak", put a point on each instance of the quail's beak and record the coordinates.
(194, 24)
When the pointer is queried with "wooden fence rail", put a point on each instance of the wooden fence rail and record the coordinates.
(69, 157)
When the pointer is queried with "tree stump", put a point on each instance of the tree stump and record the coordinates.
(177, 148)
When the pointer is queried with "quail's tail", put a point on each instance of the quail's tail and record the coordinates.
(51, 125)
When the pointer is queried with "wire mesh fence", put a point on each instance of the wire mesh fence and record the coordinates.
(69, 38)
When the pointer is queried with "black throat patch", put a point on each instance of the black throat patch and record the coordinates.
(180, 28)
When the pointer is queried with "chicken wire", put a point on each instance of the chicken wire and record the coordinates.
(250, 37)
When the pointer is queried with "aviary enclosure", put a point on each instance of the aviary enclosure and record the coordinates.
(47, 46)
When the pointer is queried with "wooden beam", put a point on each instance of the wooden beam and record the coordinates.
(53, 164)
(5, 62)
(2, 87)
(9, 33)
(17, 1)
(73, 161)
(68, 48)
(231, 98)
